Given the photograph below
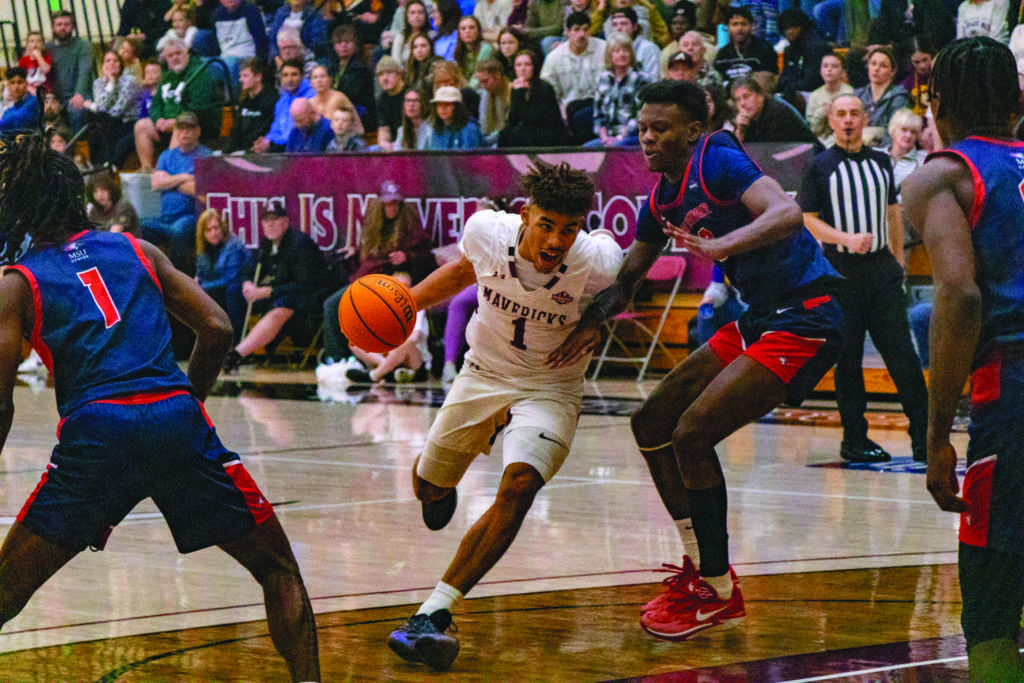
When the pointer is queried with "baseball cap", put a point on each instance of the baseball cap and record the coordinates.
(273, 209)
(389, 191)
(447, 93)
(680, 57)
(388, 63)
(186, 118)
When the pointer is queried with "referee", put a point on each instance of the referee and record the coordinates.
(849, 202)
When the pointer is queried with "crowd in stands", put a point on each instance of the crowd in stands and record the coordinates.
(300, 76)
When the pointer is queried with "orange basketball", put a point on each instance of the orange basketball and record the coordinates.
(377, 313)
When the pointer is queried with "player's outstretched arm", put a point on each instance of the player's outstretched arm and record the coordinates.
(444, 283)
(187, 301)
(16, 314)
(937, 199)
(612, 300)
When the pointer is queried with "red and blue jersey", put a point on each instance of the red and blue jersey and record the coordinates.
(997, 233)
(708, 203)
(100, 322)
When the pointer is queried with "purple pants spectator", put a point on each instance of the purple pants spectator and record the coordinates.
(460, 308)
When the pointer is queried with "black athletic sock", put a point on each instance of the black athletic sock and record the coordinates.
(708, 509)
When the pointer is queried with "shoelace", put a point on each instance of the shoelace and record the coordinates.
(422, 623)
(680, 578)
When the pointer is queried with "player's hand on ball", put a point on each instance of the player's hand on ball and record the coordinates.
(942, 481)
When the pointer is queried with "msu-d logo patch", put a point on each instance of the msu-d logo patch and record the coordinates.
(562, 297)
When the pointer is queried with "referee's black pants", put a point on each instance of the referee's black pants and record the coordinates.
(873, 301)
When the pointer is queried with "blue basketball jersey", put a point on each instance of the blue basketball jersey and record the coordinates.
(100, 322)
(708, 203)
(997, 233)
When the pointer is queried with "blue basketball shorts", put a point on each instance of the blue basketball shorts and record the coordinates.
(111, 454)
(797, 340)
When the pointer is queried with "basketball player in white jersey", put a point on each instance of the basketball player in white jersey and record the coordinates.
(535, 271)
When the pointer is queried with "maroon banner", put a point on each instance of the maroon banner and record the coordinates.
(326, 196)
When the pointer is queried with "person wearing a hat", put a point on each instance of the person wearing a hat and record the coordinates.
(453, 129)
(285, 284)
(392, 242)
(174, 179)
(680, 67)
(391, 77)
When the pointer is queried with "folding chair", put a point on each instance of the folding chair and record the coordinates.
(667, 269)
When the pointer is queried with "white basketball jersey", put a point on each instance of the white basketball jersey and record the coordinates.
(524, 315)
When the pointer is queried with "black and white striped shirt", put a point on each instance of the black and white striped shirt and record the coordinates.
(850, 192)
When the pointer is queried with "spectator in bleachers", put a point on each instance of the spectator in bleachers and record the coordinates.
(58, 138)
(152, 72)
(680, 67)
(221, 258)
(881, 96)
(353, 77)
(73, 66)
(37, 63)
(652, 26)
(801, 61)
(647, 55)
(573, 69)
(311, 132)
(904, 131)
(254, 113)
(452, 127)
(369, 18)
(114, 108)
(495, 99)
(145, 21)
(284, 284)
(345, 127)
(326, 100)
(680, 18)
(304, 17)
(493, 16)
(182, 26)
(720, 109)
(534, 119)
(416, 23)
(765, 13)
(392, 243)
(832, 73)
(694, 44)
(745, 53)
(391, 78)
(615, 103)
(241, 33)
(510, 42)
(470, 48)
(419, 68)
(899, 20)
(415, 131)
(127, 49)
(174, 178)
(53, 110)
(544, 22)
(445, 16)
(107, 208)
(918, 79)
(293, 86)
(186, 86)
(290, 46)
(763, 118)
(449, 74)
(23, 112)
(983, 18)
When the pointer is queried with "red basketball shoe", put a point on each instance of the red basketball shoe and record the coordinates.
(698, 611)
(675, 585)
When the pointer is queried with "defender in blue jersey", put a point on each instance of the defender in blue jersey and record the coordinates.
(95, 306)
(716, 202)
(967, 203)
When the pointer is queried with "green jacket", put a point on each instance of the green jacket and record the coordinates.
(194, 90)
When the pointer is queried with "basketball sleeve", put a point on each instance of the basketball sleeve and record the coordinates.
(482, 241)
(605, 258)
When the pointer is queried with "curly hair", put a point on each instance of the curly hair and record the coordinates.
(42, 195)
(562, 189)
(975, 81)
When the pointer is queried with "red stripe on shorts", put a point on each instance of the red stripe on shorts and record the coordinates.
(257, 503)
(985, 382)
(977, 493)
(817, 301)
(784, 353)
(35, 492)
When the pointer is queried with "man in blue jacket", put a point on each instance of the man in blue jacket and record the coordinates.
(293, 86)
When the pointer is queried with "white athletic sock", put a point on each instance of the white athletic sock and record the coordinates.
(722, 584)
(443, 597)
(689, 539)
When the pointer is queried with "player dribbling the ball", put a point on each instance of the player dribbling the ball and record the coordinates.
(534, 271)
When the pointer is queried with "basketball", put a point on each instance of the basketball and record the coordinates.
(377, 313)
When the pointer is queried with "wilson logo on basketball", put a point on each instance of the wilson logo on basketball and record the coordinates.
(562, 297)
(399, 297)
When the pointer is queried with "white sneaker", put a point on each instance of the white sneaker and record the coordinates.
(334, 373)
(448, 374)
(32, 364)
